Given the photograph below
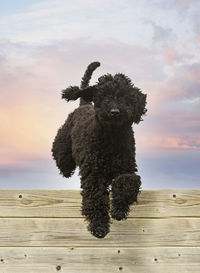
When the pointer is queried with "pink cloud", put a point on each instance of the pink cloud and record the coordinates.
(182, 85)
(184, 4)
(179, 54)
(156, 144)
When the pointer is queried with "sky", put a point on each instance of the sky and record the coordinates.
(45, 46)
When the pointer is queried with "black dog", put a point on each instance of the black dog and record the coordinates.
(99, 139)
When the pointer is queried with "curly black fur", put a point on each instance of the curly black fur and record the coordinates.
(99, 139)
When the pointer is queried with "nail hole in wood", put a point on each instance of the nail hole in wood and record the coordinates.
(174, 195)
(118, 251)
(155, 259)
(58, 268)
(2, 260)
(120, 268)
(20, 196)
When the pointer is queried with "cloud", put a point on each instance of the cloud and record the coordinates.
(31, 106)
(183, 4)
(196, 22)
(165, 143)
(180, 89)
(48, 46)
(180, 5)
(172, 121)
(161, 34)
(160, 134)
(171, 54)
(172, 170)
(32, 109)
(188, 13)
(58, 20)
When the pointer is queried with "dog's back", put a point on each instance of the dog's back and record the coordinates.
(74, 125)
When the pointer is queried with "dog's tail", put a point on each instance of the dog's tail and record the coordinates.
(86, 78)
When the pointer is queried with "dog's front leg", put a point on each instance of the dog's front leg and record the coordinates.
(125, 189)
(95, 205)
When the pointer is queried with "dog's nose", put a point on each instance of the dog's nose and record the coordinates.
(114, 112)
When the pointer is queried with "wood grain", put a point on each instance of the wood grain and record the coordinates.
(108, 260)
(73, 232)
(41, 203)
(44, 231)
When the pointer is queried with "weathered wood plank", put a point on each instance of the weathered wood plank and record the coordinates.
(43, 231)
(41, 203)
(73, 232)
(108, 260)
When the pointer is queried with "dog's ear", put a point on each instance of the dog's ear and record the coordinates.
(74, 92)
(139, 105)
(71, 93)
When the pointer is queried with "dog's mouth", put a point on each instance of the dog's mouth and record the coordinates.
(109, 119)
(114, 117)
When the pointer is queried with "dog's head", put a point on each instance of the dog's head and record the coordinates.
(116, 100)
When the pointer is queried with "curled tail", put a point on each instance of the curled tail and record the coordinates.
(85, 91)
(88, 74)
(86, 78)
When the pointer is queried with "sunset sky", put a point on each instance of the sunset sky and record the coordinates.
(46, 46)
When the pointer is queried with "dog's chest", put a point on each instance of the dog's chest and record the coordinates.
(111, 153)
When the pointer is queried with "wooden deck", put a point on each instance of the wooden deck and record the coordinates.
(43, 232)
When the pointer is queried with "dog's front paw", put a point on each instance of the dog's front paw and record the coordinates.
(125, 189)
(119, 214)
(99, 231)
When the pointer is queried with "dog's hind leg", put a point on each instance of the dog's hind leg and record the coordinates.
(125, 189)
(62, 151)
